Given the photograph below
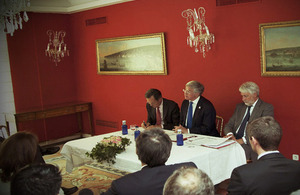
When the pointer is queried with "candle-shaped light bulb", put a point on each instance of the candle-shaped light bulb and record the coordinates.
(195, 13)
(207, 31)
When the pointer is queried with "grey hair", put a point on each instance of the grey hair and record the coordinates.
(197, 86)
(188, 181)
(249, 87)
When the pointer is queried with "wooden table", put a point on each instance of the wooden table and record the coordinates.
(56, 111)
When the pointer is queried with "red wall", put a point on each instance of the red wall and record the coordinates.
(38, 82)
(234, 59)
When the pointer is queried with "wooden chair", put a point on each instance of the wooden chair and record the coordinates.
(219, 124)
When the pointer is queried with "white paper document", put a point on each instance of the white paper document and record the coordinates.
(210, 141)
(201, 140)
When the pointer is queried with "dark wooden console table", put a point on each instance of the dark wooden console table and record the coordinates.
(59, 110)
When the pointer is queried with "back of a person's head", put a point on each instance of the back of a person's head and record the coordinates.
(153, 147)
(267, 131)
(44, 179)
(17, 151)
(188, 181)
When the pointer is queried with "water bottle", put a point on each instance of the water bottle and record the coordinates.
(136, 132)
(124, 128)
(179, 138)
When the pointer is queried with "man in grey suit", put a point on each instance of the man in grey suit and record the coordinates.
(153, 148)
(252, 107)
(272, 173)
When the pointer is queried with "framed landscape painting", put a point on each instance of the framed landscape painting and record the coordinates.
(280, 48)
(132, 55)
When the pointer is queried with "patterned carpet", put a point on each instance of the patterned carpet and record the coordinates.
(94, 176)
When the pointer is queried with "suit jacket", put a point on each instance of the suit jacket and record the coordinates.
(261, 109)
(271, 174)
(204, 119)
(170, 114)
(146, 181)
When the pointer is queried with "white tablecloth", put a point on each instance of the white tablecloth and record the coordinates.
(217, 163)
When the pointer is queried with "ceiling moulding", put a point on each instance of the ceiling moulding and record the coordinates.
(74, 8)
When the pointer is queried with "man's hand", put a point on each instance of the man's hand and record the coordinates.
(183, 129)
(240, 141)
(145, 125)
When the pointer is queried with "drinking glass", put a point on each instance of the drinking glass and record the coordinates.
(132, 127)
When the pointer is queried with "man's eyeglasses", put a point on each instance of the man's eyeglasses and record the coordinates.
(187, 91)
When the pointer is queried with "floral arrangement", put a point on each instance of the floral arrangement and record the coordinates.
(108, 148)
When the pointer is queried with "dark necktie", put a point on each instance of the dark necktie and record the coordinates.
(190, 116)
(158, 117)
(241, 131)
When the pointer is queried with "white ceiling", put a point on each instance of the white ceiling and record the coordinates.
(69, 6)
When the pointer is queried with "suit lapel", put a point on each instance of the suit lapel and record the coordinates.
(153, 112)
(241, 113)
(184, 109)
(164, 109)
(255, 110)
(197, 111)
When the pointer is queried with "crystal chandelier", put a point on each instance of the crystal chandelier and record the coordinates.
(56, 48)
(10, 15)
(196, 25)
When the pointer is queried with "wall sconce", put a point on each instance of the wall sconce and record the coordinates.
(196, 25)
(10, 15)
(56, 48)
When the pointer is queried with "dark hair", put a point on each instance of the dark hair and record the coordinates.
(17, 151)
(153, 147)
(188, 180)
(35, 179)
(153, 92)
(266, 131)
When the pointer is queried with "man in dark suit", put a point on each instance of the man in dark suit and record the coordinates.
(197, 114)
(272, 173)
(257, 108)
(162, 112)
(153, 148)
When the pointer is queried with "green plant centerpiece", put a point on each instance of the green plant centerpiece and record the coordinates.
(108, 148)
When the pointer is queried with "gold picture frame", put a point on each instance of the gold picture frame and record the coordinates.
(132, 55)
(280, 48)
